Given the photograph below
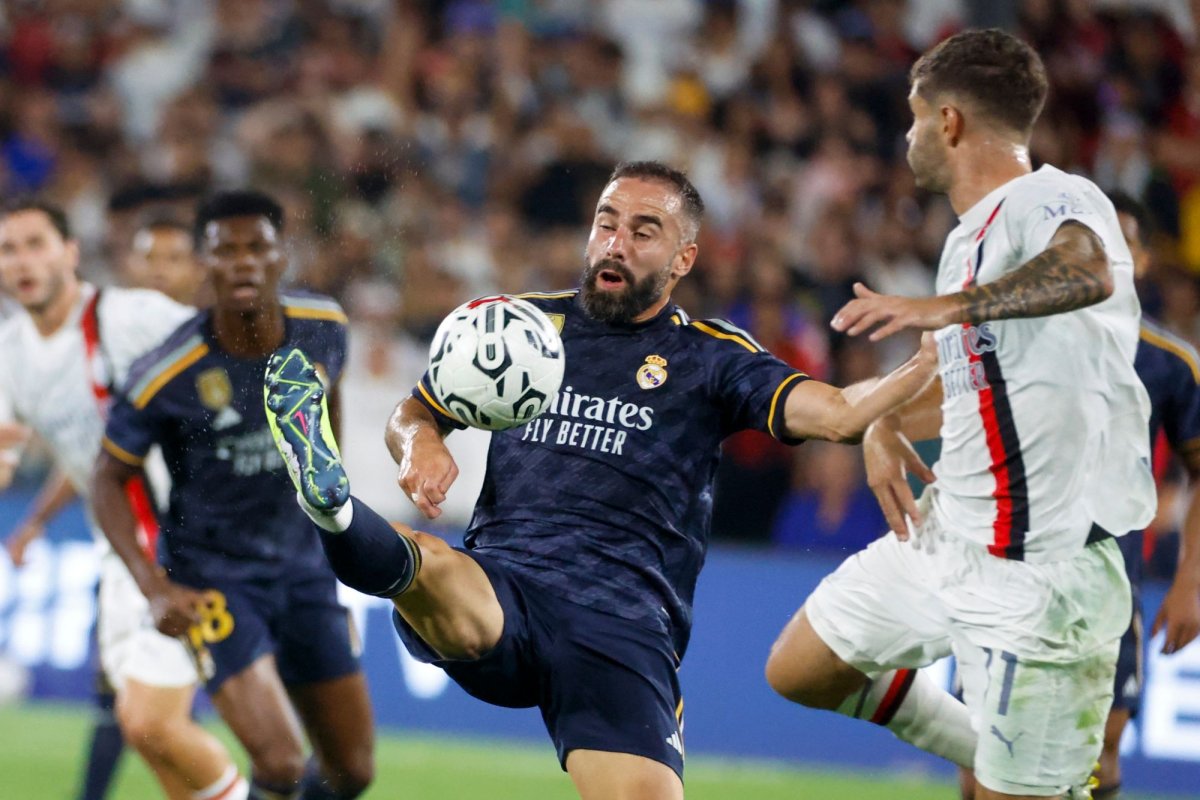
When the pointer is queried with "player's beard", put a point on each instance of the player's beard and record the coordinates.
(624, 305)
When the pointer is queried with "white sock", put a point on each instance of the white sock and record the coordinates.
(909, 704)
(230, 786)
(332, 521)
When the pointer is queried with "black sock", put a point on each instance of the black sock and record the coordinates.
(370, 555)
(105, 750)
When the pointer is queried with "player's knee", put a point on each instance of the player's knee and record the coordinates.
(145, 729)
(279, 765)
(803, 682)
(352, 777)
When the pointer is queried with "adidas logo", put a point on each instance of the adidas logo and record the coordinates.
(676, 741)
(227, 418)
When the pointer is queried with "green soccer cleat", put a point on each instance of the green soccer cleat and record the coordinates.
(299, 420)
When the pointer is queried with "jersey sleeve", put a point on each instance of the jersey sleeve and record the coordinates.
(335, 359)
(425, 396)
(751, 384)
(1042, 208)
(131, 431)
(1181, 418)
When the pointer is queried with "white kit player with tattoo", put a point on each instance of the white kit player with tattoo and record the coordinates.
(59, 362)
(1009, 560)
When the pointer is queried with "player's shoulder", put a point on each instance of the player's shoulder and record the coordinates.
(312, 307)
(13, 329)
(551, 302)
(717, 335)
(1169, 347)
(1054, 192)
(149, 374)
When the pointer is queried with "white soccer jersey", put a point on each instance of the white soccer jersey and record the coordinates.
(45, 382)
(1043, 420)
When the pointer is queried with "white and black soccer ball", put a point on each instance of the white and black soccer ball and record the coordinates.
(496, 362)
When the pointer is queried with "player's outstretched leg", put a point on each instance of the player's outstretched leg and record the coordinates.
(365, 551)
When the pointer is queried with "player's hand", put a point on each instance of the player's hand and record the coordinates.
(892, 314)
(30, 531)
(175, 608)
(427, 471)
(1179, 615)
(889, 457)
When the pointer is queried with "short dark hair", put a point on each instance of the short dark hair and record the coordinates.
(164, 220)
(57, 217)
(237, 203)
(693, 204)
(995, 71)
(1125, 203)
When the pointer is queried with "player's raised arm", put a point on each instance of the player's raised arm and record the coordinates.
(427, 470)
(1073, 272)
(816, 410)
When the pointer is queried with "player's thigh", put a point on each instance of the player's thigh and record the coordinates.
(337, 717)
(148, 714)
(1040, 724)
(256, 707)
(600, 775)
(881, 609)
(608, 684)
(452, 604)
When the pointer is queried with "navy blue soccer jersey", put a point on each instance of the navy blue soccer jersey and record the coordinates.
(1170, 370)
(232, 512)
(605, 499)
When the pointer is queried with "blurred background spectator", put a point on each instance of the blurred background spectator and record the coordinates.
(431, 150)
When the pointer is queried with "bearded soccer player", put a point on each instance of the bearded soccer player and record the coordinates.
(241, 572)
(574, 590)
(1010, 561)
(58, 363)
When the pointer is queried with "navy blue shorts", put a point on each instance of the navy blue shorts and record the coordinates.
(602, 682)
(1127, 691)
(299, 620)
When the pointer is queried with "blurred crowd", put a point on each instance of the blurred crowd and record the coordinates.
(428, 152)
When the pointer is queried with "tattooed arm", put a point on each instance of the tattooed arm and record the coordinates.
(1071, 273)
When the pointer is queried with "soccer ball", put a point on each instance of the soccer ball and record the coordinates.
(496, 362)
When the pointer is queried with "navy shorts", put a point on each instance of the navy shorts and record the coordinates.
(1127, 691)
(299, 620)
(602, 682)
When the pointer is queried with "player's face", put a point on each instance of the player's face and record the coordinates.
(636, 252)
(926, 150)
(1133, 238)
(36, 263)
(245, 261)
(161, 258)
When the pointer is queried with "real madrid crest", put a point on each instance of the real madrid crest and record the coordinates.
(216, 394)
(214, 389)
(653, 373)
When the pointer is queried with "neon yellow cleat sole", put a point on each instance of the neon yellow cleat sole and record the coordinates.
(298, 416)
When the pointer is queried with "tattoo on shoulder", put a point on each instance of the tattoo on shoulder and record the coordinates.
(1071, 273)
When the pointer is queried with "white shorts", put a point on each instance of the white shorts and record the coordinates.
(1036, 643)
(130, 646)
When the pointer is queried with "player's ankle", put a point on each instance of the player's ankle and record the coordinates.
(334, 520)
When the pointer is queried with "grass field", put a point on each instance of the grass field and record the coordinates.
(43, 746)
